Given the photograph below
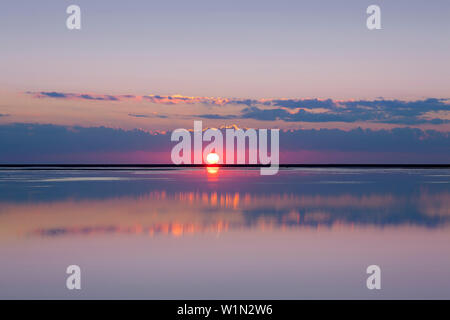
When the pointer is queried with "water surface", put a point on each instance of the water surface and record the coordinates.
(161, 233)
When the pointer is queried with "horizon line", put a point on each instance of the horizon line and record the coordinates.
(165, 165)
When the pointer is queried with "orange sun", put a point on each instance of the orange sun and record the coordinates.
(212, 158)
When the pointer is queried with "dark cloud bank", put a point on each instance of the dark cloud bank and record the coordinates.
(28, 143)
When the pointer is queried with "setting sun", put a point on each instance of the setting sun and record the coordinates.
(212, 158)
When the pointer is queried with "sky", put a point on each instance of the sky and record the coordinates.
(141, 69)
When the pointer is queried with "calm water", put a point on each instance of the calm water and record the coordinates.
(160, 233)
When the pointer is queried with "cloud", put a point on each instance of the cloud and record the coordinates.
(74, 96)
(300, 115)
(154, 115)
(427, 111)
(139, 115)
(397, 111)
(303, 103)
(21, 138)
(28, 143)
(160, 99)
(396, 140)
(216, 116)
(383, 112)
(179, 99)
(378, 111)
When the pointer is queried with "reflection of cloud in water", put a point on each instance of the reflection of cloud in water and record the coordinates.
(183, 213)
(68, 179)
(343, 182)
(77, 179)
(435, 204)
(437, 182)
(174, 229)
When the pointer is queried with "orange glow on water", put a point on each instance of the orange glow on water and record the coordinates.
(212, 170)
